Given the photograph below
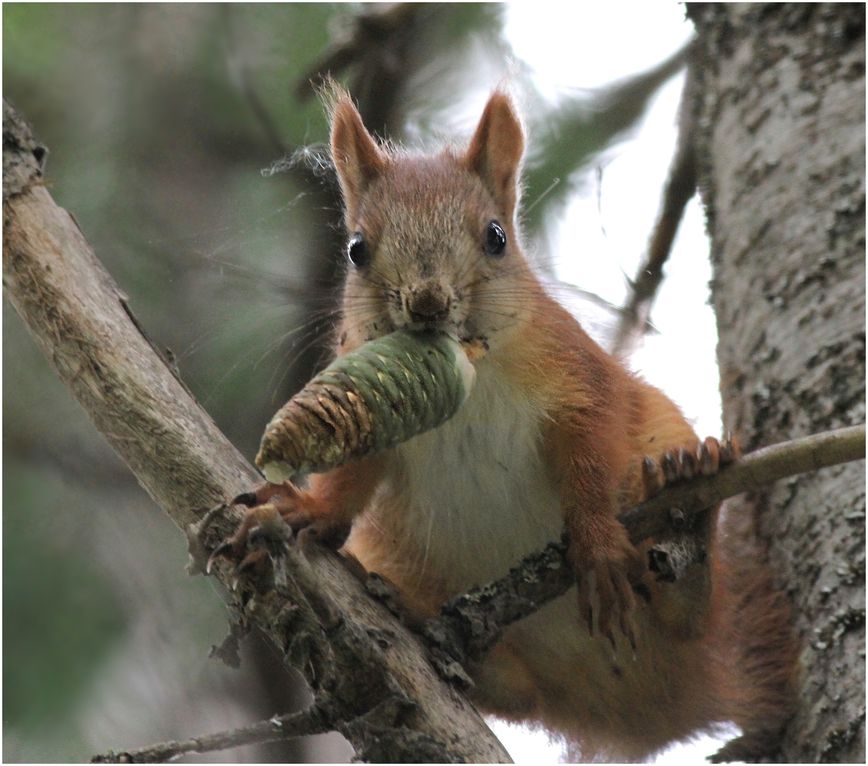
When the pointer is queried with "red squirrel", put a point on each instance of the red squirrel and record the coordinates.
(556, 434)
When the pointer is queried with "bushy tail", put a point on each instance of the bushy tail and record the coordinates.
(755, 645)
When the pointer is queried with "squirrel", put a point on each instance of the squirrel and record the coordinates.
(556, 434)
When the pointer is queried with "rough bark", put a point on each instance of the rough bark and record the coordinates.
(781, 143)
(369, 672)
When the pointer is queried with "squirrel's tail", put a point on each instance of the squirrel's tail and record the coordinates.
(755, 646)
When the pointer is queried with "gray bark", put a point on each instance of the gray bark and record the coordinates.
(781, 117)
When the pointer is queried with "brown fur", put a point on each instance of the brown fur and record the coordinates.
(570, 667)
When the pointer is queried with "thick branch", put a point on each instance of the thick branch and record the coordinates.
(338, 637)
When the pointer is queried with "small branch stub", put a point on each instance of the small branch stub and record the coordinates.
(23, 156)
(383, 393)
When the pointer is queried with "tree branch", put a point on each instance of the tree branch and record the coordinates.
(752, 472)
(370, 670)
(322, 622)
(369, 33)
(680, 188)
(470, 624)
(306, 722)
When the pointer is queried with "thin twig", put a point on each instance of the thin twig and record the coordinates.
(680, 188)
(752, 472)
(567, 139)
(306, 722)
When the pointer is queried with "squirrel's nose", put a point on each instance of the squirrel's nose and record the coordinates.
(428, 303)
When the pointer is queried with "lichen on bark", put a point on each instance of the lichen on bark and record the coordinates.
(781, 145)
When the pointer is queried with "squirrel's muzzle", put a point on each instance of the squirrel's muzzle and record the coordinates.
(428, 303)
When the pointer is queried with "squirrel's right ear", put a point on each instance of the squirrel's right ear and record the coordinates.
(358, 159)
(496, 150)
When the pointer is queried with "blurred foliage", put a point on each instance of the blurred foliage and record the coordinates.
(159, 119)
(49, 643)
(571, 139)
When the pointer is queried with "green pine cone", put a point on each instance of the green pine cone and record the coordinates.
(383, 393)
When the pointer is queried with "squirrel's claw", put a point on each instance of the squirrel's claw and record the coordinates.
(617, 602)
(612, 579)
(730, 449)
(276, 514)
(246, 498)
(280, 495)
(226, 549)
(332, 533)
(709, 456)
(261, 529)
(687, 461)
(682, 463)
(652, 477)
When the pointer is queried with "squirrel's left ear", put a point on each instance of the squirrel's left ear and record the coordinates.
(496, 150)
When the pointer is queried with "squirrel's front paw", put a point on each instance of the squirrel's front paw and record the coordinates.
(277, 513)
(675, 465)
(609, 572)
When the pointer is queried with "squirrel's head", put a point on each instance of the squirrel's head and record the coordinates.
(431, 239)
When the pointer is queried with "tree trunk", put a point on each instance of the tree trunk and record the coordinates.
(781, 148)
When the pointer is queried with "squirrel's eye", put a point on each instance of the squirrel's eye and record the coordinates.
(495, 239)
(357, 250)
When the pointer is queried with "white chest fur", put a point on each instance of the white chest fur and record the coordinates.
(476, 490)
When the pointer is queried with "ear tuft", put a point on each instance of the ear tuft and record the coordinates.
(496, 150)
(358, 160)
